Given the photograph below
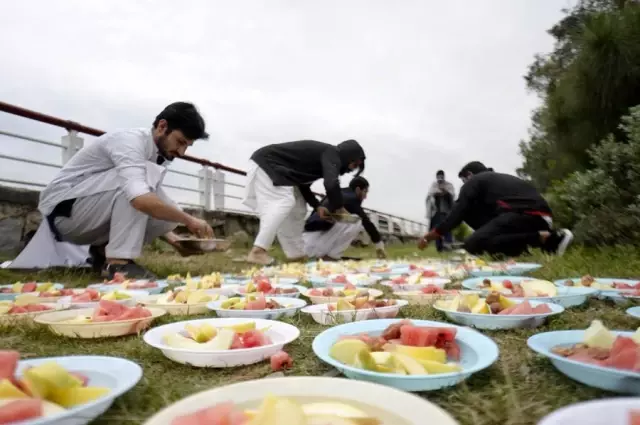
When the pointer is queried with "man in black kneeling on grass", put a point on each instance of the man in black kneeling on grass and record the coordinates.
(508, 215)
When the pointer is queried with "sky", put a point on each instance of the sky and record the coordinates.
(423, 85)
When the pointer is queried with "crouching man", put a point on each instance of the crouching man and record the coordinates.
(327, 239)
(109, 195)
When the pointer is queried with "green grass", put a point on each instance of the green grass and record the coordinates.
(519, 389)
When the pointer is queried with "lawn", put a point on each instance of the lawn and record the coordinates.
(519, 389)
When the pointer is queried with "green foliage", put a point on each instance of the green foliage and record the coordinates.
(603, 203)
(587, 83)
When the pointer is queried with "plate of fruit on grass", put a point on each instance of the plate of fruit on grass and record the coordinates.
(429, 294)
(345, 311)
(348, 292)
(119, 283)
(532, 289)
(411, 355)
(340, 280)
(183, 302)
(107, 319)
(600, 283)
(15, 311)
(257, 306)
(414, 282)
(10, 292)
(303, 400)
(61, 390)
(218, 343)
(213, 283)
(610, 411)
(596, 356)
(496, 311)
(91, 297)
(273, 289)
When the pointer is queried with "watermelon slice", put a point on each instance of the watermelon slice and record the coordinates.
(108, 311)
(523, 308)
(634, 417)
(315, 292)
(221, 414)
(542, 309)
(444, 338)
(281, 360)
(429, 273)
(264, 286)
(29, 287)
(20, 410)
(8, 363)
(625, 354)
(253, 339)
(258, 304)
(236, 343)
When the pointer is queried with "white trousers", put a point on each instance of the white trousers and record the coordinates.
(281, 209)
(109, 217)
(333, 242)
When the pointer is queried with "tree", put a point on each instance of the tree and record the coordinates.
(586, 83)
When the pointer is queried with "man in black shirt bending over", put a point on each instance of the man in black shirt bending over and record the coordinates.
(508, 215)
(328, 240)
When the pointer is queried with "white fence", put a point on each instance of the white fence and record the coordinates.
(195, 183)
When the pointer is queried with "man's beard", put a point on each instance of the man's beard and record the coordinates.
(161, 144)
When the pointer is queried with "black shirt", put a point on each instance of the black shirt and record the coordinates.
(303, 162)
(488, 194)
(352, 204)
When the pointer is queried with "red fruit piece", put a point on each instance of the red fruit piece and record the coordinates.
(264, 286)
(399, 280)
(340, 279)
(253, 339)
(625, 354)
(20, 410)
(429, 273)
(236, 343)
(507, 284)
(281, 360)
(634, 417)
(315, 292)
(258, 304)
(8, 363)
(349, 286)
(221, 414)
(29, 287)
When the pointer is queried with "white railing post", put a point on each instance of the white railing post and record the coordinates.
(71, 144)
(205, 185)
(218, 189)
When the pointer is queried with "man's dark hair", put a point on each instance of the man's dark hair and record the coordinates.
(475, 167)
(440, 173)
(358, 182)
(185, 117)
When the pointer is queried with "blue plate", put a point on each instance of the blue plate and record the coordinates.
(566, 297)
(603, 280)
(119, 375)
(634, 312)
(610, 411)
(605, 378)
(12, 296)
(478, 352)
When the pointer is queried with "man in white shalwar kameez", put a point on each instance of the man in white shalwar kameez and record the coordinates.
(279, 187)
(328, 240)
(109, 195)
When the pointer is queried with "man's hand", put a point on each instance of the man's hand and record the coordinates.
(381, 253)
(324, 214)
(424, 241)
(200, 228)
(342, 211)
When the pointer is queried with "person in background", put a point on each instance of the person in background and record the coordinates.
(508, 215)
(109, 194)
(327, 239)
(439, 203)
(279, 183)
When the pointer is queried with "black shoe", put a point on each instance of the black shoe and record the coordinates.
(558, 242)
(130, 270)
(97, 258)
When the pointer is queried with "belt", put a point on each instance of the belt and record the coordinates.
(63, 209)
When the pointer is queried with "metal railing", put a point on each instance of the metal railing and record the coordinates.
(213, 186)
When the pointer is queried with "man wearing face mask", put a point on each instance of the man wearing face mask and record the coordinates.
(279, 187)
(109, 194)
(439, 203)
(508, 215)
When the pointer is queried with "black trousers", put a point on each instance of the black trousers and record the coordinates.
(509, 234)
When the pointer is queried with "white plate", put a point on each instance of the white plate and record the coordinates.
(502, 321)
(6, 319)
(322, 315)
(611, 411)
(322, 299)
(226, 290)
(404, 408)
(279, 332)
(293, 305)
(10, 296)
(419, 298)
(119, 375)
(360, 279)
(178, 309)
(301, 289)
(440, 282)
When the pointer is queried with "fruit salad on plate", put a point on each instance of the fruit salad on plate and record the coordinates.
(494, 303)
(602, 348)
(263, 285)
(11, 308)
(591, 282)
(524, 289)
(111, 311)
(206, 337)
(121, 280)
(41, 391)
(348, 290)
(252, 302)
(91, 295)
(403, 349)
(280, 410)
(359, 304)
(22, 288)
(186, 296)
(209, 281)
